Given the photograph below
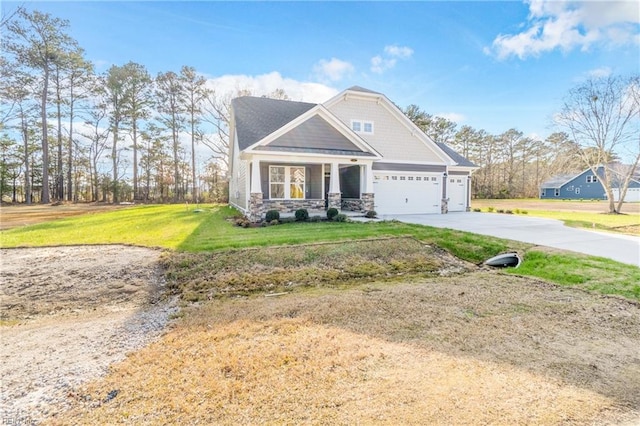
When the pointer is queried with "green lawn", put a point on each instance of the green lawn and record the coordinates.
(182, 229)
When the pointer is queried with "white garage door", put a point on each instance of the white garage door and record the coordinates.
(457, 193)
(407, 193)
(632, 195)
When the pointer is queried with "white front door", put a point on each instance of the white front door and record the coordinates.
(457, 193)
(407, 193)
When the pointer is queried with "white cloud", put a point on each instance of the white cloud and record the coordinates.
(403, 52)
(452, 116)
(599, 72)
(332, 70)
(568, 25)
(389, 59)
(264, 84)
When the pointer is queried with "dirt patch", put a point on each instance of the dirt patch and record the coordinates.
(67, 314)
(21, 215)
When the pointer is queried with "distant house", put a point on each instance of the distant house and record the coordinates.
(585, 186)
(356, 152)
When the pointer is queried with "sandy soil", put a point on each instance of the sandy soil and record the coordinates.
(67, 314)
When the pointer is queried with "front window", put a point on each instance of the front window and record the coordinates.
(286, 182)
(592, 179)
(276, 182)
(296, 182)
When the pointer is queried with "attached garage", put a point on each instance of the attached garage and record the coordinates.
(407, 192)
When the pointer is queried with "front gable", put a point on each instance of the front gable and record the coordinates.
(390, 132)
(315, 132)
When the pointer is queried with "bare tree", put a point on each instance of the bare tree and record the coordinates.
(603, 117)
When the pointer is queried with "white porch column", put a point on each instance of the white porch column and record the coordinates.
(368, 179)
(256, 182)
(334, 184)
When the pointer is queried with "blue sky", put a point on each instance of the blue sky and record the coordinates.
(491, 65)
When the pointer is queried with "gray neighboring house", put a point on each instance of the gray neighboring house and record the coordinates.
(355, 152)
(585, 186)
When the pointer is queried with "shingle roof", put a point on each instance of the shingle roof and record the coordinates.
(462, 161)
(257, 118)
(559, 180)
(362, 89)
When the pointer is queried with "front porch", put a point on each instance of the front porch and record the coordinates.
(315, 186)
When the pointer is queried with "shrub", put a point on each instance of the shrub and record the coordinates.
(272, 215)
(302, 215)
(490, 209)
(243, 222)
(315, 218)
(341, 217)
(517, 211)
(332, 213)
(508, 212)
(477, 210)
(287, 220)
(524, 212)
(274, 222)
(371, 214)
(500, 210)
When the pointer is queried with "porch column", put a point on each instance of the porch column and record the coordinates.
(444, 207)
(256, 183)
(367, 196)
(334, 195)
(468, 193)
(255, 198)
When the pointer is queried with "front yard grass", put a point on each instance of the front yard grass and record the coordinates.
(183, 230)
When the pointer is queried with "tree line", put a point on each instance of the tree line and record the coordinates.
(68, 133)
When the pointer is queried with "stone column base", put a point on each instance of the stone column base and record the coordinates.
(367, 201)
(444, 207)
(334, 200)
(255, 207)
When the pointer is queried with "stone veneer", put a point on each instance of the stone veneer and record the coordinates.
(367, 201)
(444, 207)
(335, 200)
(351, 204)
(255, 207)
(290, 206)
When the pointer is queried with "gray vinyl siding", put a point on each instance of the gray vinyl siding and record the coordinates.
(238, 180)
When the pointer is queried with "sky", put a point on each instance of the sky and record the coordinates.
(490, 65)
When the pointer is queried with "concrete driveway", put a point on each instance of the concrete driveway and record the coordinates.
(535, 230)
